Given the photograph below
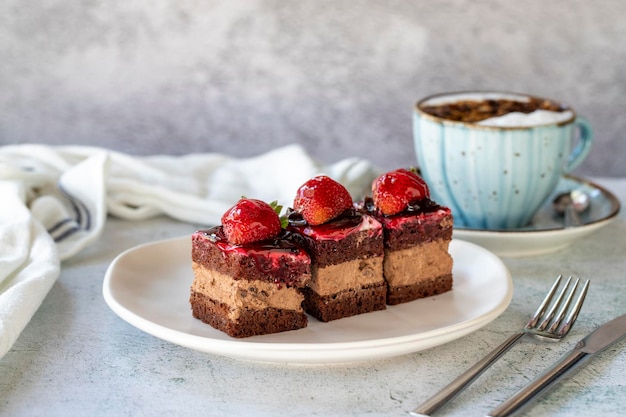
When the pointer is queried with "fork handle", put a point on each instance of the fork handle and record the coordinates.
(462, 381)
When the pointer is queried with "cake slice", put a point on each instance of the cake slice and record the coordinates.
(249, 273)
(417, 234)
(346, 249)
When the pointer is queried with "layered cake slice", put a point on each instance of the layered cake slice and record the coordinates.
(417, 235)
(249, 273)
(346, 249)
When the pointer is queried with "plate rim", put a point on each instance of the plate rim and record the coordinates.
(368, 349)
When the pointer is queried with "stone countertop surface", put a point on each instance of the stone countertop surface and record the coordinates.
(76, 357)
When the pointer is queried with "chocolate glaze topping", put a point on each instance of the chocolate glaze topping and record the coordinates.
(338, 228)
(284, 241)
(425, 206)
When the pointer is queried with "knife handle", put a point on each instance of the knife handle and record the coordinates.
(524, 397)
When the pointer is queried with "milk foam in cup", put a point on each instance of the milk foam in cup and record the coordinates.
(494, 158)
(537, 117)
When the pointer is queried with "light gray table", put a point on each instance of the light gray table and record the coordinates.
(76, 357)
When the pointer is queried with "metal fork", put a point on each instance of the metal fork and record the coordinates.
(547, 324)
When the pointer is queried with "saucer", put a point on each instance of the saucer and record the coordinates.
(546, 232)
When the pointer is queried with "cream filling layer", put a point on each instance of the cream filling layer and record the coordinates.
(352, 274)
(419, 263)
(238, 294)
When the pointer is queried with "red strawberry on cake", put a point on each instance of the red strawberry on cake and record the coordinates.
(346, 249)
(395, 191)
(250, 221)
(321, 199)
(417, 235)
(248, 273)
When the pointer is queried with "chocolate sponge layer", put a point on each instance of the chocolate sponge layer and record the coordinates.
(349, 302)
(250, 321)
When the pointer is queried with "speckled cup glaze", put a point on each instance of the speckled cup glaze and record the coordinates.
(495, 178)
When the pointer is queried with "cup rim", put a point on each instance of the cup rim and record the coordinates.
(475, 125)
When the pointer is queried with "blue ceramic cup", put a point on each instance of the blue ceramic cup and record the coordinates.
(496, 174)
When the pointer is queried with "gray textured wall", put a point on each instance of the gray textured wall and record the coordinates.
(340, 77)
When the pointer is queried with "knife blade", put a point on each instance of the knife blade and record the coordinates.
(595, 342)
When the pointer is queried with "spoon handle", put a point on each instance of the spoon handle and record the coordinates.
(572, 218)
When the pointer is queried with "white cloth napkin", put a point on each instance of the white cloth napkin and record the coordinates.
(54, 201)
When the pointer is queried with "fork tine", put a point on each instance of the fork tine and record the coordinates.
(542, 307)
(573, 314)
(555, 305)
(559, 317)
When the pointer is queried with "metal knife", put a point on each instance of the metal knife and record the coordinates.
(595, 342)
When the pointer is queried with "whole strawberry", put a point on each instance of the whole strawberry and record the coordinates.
(394, 191)
(249, 221)
(321, 199)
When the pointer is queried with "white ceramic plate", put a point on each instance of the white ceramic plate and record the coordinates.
(148, 286)
(546, 233)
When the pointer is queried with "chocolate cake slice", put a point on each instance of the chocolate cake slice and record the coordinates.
(249, 289)
(417, 262)
(417, 235)
(346, 266)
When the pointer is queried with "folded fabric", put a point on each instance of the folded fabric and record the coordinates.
(54, 201)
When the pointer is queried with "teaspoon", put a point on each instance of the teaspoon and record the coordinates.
(571, 204)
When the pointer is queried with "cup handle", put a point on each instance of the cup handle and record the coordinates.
(585, 139)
